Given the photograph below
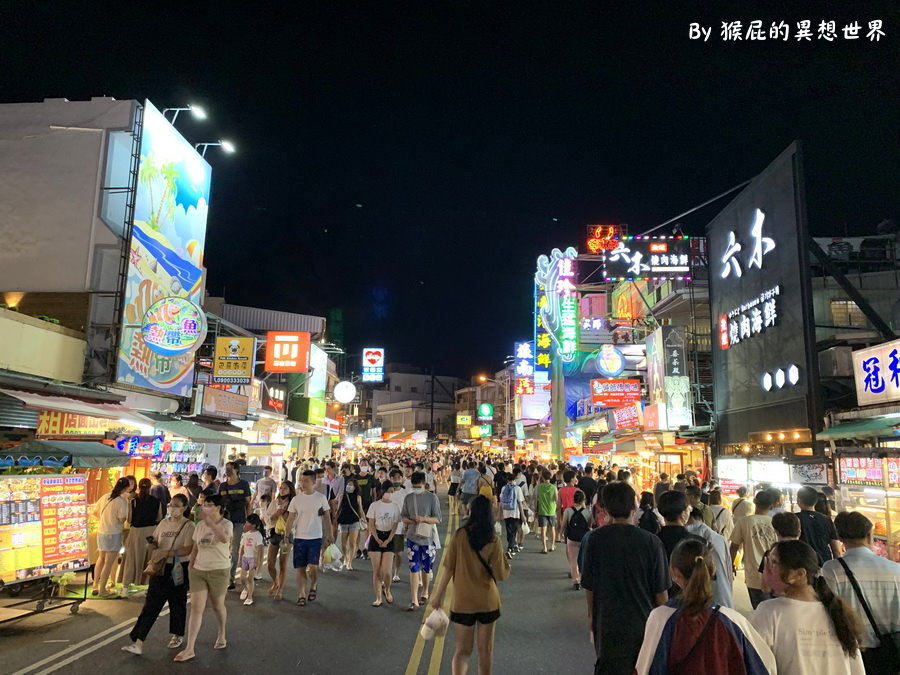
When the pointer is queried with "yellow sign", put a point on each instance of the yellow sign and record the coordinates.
(234, 359)
(463, 420)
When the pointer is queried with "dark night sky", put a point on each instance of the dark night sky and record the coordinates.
(473, 135)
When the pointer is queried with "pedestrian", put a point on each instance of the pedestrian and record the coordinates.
(755, 535)
(809, 628)
(723, 519)
(680, 483)
(420, 512)
(695, 634)
(194, 489)
(817, 529)
(621, 556)
(265, 485)
(208, 573)
(172, 540)
(350, 518)
(722, 589)
(251, 552)
(741, 507)
(210, 481)
(279, 547)
(159, 489)
(870, 585)
(469, 486)
(453, 489)
(787, 527)
(694, 495)
(146, 512)
(587, 484)
(512, 511)
(111, 512)
(309, 522)
(474, 562)
(649, 518)
(235, 493)
(676, 513)
(777, 501)
(546, 498)
(383, 518)
(177, 487)
(576, 523)
(565, 498)
(485, 483)
(662, 485)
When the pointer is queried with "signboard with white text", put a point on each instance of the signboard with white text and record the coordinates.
(876, 371)
(373, 364)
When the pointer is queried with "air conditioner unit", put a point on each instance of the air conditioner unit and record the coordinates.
(836, 362)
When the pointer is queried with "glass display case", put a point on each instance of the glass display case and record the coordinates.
(871, 485)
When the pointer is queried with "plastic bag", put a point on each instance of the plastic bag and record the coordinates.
(332, 554)
(525, 530)
(435, 625)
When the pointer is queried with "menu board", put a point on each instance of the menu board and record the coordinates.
(862, 471)
(43, 526)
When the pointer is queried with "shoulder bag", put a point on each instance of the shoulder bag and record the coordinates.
(422, 529)
(157, 566)
(887, 653)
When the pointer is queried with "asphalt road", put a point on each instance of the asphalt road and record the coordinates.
(543, 628)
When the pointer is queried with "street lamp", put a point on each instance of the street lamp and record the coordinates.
(198, 112)
(227, 146)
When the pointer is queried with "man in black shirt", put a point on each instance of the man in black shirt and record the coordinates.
(675, 510)
(235, 494)
(616, 557)
(817, 529)
(587, 484)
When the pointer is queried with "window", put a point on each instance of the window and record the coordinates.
(396, 387)
(414, 390)
(847, 313)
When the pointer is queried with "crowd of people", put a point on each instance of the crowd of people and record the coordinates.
(657, 567)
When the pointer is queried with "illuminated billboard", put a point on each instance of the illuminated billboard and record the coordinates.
(557, 303)
(641, 257)
(373, 364)
(165, 256)
(287, 352)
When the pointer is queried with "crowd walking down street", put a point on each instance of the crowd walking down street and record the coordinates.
(505, 568)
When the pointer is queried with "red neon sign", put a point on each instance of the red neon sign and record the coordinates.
(724, 341)
(603, 237)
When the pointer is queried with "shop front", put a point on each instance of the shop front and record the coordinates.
(189, 447)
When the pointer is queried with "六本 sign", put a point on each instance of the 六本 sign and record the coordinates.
(234, 360)
(876, 372)
(287, 352)
(650, 258)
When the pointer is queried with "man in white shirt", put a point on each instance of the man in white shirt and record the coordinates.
(878, 578)
(309, 523)
(265, 486)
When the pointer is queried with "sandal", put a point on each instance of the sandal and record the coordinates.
(313, 594)
(412, 607)
(220, 645)
(377, 603)
(183, 656)
(301, 602)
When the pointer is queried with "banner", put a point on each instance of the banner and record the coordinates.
(234, 360)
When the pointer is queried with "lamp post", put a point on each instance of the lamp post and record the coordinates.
(198, 112)
(227, 146)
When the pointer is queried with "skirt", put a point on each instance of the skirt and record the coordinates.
(454, 487)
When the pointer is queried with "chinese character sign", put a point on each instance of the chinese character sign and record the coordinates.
(542, 339)
(373, 364)
(287, 352)
(524, 366)
(650, 258)
(876, 371)
(557, 275)
(234, 360)
(609, 393)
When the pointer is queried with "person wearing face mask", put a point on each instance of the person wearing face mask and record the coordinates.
(420, 508)
(172, 537)
(351, 515)
(235, 493)
(383, 518)
(398, 496)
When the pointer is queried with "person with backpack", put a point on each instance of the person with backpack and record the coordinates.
(692, 634)
(512, 510)
(649, 518)
(576, 523)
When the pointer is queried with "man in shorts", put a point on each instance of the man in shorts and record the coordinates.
(309, 522)
(419, 507)
(546, 510)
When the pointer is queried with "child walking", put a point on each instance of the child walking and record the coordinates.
(251, 552)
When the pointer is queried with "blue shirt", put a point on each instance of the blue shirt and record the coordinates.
(470, 481)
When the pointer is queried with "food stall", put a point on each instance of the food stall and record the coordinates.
(871, 485)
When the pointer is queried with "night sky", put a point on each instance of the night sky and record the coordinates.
(407, 162)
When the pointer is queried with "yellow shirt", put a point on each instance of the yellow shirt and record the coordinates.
(473, 589)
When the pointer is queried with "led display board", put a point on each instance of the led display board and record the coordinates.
(557, 309)
(165, 261)
(524, 368)
(764, 358)
(602, 238)
(373, 364)
(641, 257)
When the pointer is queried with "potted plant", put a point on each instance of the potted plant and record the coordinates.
(62, 581)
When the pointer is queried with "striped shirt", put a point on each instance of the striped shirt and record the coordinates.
(879, 580)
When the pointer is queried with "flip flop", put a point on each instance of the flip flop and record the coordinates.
(313, 594)
(301, 602)
(412, 608)
(180, 658)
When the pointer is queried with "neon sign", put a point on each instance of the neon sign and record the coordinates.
(762, 246)
(610, 361)
(173, 326)
(603, 237)
(641, 257)
(524, 368)
(558, 308)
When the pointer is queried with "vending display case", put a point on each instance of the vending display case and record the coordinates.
(871, 485)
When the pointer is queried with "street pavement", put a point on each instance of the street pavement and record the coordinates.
(543, 628)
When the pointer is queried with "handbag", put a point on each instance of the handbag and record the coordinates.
(887, 654)
(156, 566)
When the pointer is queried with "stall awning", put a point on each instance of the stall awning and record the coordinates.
(196, 432)
(84, 454)
(870, 428)
(74, 405)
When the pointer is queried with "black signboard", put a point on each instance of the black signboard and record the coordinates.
(274, 398)
(765, 370)
(669, 257)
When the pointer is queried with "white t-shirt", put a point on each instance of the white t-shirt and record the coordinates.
(385, 515)
(308, 511)
(803, 639)
(249, 542)
(429, 481)
(520, 498)
(109, 512)
(212, 554)
(397, 497)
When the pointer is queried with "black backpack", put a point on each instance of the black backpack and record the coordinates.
(648, 521)
(578, 526)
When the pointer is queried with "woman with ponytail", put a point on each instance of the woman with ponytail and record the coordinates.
(691, 634)
(810, 630)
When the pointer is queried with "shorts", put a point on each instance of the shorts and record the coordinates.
(350, 527)
(453, 489)
(466, 498)
(109, 542)
(546, 521)
(420, 556)
(275, 539)
(213, 581)
(248, 564)
(306, 552)
(392, 546)
(472, 619)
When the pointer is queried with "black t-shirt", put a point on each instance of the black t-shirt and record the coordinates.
(625, 567)
(670, 535)
(499, 482)
(818, 530)
(145, 512)
(366, 483)
(161, 492)
(235, 498)
(588, 486)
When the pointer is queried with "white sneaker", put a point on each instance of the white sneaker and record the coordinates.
(396, 577)
(244, 594)
(134, 648)
(259, 578)
(248, 602)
